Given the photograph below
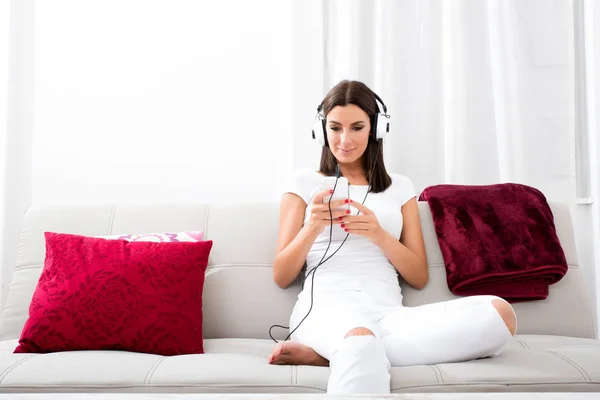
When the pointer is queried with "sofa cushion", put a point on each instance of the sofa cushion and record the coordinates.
(529, 363)
(98, 294)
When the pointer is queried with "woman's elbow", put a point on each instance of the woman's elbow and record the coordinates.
(280, 282)
(420, 284)
(422, 279)
(280, 279)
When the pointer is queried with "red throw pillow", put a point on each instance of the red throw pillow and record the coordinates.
(99, 294)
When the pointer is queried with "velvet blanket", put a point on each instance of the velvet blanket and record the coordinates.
(496, 239)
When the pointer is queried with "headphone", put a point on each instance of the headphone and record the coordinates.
(380, 125)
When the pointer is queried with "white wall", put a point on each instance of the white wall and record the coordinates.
(308, 83)
(161, 100)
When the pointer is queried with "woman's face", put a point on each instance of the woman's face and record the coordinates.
(348, 130)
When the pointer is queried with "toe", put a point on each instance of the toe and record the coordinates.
(283, 360)
(277, 350)
(285, 348)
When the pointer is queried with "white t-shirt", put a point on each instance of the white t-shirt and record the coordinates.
(359, 264)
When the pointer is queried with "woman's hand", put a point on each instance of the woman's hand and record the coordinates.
(319, 211)
(364, 224)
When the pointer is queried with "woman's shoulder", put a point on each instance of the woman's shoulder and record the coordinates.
(399, 179)
(402, 187)
(303, 182)
(305, 176)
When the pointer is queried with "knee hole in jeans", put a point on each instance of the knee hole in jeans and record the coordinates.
(359, 331)
(507, 313)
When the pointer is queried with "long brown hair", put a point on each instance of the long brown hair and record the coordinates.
(357, 93)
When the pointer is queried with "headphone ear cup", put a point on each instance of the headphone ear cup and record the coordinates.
(318, 131)
(382, 124)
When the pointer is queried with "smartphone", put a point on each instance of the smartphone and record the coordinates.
(341, 189)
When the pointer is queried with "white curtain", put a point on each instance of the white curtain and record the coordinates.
(591, 89)
(16, 77)
(4, 46)
(479, 92)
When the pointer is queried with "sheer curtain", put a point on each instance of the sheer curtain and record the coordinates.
(4, 46)
(479, 91)
(16, 106)
(589, 24)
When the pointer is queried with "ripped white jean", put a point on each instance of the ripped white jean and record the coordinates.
(452, 331)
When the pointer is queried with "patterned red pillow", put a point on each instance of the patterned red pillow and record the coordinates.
(99, 294)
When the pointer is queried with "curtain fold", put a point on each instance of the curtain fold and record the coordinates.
(4, 46)
(478, 91)
(15, 145)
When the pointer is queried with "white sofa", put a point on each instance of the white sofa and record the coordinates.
(554, 350)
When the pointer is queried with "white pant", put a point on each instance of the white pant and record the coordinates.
(458, 330)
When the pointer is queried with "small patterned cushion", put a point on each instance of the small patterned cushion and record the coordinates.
(98, 294)
(191, 236)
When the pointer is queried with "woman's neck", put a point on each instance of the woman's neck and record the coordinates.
(356, 175)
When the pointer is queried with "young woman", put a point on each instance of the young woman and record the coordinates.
(357, 323)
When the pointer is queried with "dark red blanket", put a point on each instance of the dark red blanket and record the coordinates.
(496, 239)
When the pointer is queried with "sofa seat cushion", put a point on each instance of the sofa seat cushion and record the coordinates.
(528, 363)
(228, 365)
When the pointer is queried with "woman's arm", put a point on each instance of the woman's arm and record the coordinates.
(294, 241)
(407, 255)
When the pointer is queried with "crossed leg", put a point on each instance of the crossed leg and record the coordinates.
(452, 331)
(296, 353)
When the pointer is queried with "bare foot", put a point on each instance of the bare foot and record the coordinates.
(294, 353)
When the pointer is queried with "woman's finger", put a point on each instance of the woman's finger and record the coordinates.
(334, 204)
(356, 230)
(325, 216)
(360, 207)
(318, 198)
(357, 218)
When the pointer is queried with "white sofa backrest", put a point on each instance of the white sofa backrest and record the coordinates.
(240, 298)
